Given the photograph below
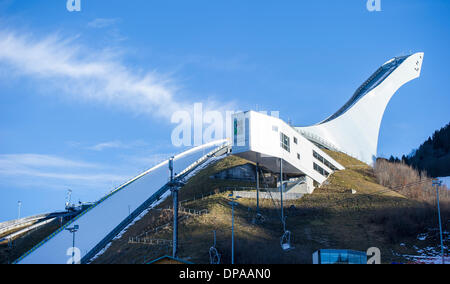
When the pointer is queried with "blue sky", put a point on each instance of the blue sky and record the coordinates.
(86, 97)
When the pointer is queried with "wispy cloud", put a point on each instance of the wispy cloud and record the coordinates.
(35, 160)
(54, 172)
(89, 75)
(106, 145)
(100, 23)
(116, 145)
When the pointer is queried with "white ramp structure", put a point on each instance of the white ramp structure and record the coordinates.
(99, 224)
(354, 129)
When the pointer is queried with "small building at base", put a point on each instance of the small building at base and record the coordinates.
(336, 256)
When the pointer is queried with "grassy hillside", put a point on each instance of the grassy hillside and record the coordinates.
(331, 217)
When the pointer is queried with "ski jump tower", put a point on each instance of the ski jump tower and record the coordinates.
(355, 127)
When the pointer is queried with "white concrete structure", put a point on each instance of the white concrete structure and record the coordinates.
(354, 128)
(267, 140)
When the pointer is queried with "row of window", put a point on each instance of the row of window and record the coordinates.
(285, 143)
(324, 161)
(321, 170)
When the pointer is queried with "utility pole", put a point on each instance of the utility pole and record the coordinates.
(232, 203)
(174, 190)
(437, 184)
(281, 191)
(174, 187)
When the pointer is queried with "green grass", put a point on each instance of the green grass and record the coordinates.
(201, 183)
(331, 217)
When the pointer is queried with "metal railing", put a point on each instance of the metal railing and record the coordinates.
(147, 241)
(189, 212)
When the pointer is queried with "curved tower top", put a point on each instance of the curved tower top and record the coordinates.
(354, 128)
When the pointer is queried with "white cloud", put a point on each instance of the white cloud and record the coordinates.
(102, 23)
(107, 145)
(55, 172)
(14, 160)
(116, 145)
(87, 75)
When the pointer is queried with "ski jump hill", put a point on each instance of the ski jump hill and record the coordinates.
(108, 217)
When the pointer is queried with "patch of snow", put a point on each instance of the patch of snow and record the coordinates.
(422, 237)
(445, 180)
(427, 259)
(100, 253)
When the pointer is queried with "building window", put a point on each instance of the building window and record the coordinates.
(320, 170)
(285, 142)
(298, 156)
(324, 161)
(295, 140)
(275, 128)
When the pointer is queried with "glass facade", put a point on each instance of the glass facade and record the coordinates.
(330, 256)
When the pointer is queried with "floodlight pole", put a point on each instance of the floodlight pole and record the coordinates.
(174, 190)
(437, 184)
(73, 230)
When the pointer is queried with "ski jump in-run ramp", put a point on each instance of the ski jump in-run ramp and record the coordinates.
(103, 221)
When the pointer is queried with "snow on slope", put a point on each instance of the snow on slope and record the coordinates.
(445, 180)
